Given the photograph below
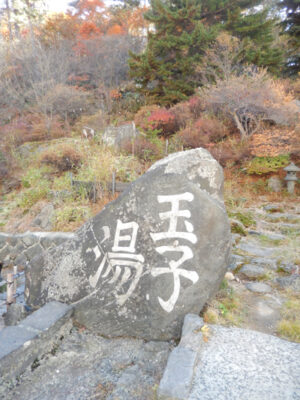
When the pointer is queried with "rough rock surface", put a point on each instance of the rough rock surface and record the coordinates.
(252, 271)
(88, 367)
(239, 364)
(22, 248)
(44, 218)
(259, 287)
(155, 254)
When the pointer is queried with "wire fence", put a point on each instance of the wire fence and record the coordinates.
(11, 283)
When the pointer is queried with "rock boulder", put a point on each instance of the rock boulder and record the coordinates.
(156, 253)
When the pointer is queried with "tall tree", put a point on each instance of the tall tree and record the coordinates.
(166, 70)
(255, 29)
(291, 25)
(183, 29)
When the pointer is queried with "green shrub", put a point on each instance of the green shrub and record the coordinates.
(70, 214)
(34, 175)
(34, 194)
(245, 218)
(265, 165)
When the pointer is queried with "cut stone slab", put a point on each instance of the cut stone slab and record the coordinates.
(237, 364)
(150, 257)
(230, 364)
(255, 250)
(252, 271)
(259, 287)
(274, 236)
(178, 376)
(31, 338)
(269, 263)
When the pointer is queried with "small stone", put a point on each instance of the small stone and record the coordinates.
(269, 263)
(252, 271)
(229, 276)
(259, 287)
(33, 252)
(290, 268)
(29, 239)
(292, 282)
(235, 262)
(254, 249)
(274, 236)
(44, 218)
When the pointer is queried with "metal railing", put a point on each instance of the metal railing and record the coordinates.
(11, 283)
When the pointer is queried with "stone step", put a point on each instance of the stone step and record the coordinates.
(33, 337)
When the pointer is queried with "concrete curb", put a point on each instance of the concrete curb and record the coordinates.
(179, 373)
(33, 337)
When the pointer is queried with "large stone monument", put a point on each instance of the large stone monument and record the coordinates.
(155, 254)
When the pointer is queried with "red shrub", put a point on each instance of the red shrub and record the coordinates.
(141, 117)
(31, 128)
(162, 120)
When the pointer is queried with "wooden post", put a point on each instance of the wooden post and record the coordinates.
(10, 289)
(113, 183)
(15, 280)
(94, 193)
(167, 145)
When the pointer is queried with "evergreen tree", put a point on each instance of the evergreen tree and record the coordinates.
(256, 31)
(184, 29)
(291, 26)
(253, 25)
(166, 70)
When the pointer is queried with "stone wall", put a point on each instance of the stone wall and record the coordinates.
(19, 248)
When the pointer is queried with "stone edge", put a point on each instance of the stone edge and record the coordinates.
(179, 372)
(23, 352)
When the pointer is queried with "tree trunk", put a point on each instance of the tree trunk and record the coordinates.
(239, 126)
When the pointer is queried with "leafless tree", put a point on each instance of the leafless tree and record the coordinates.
(249, 98)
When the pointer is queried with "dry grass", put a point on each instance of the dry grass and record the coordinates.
(226, 309)
(289, 327)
